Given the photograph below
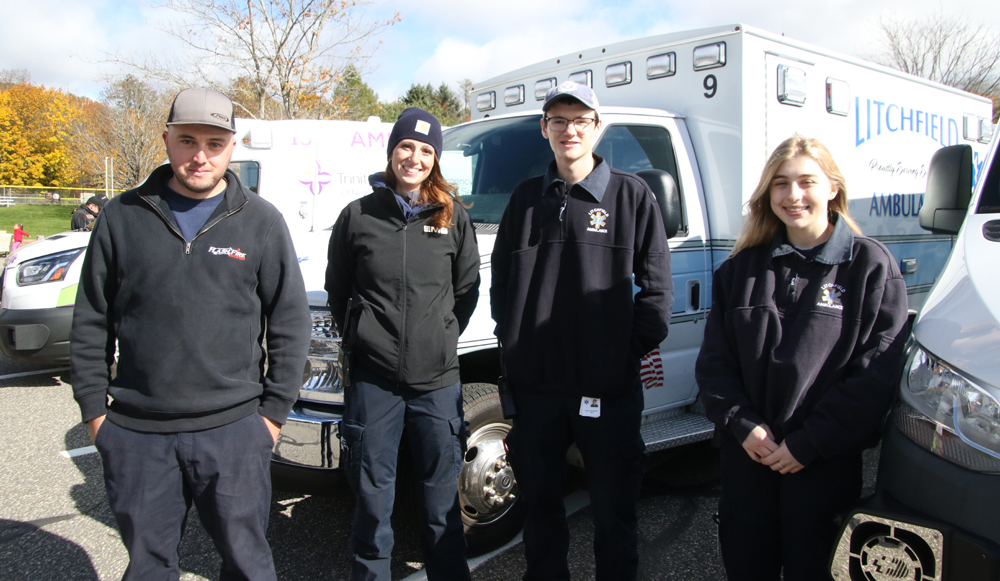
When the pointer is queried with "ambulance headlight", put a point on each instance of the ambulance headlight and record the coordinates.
(953, 402)
(51, 268)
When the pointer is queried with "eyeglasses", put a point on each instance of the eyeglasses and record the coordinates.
(561, 123)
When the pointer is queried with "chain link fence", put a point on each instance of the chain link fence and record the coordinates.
(13, 195)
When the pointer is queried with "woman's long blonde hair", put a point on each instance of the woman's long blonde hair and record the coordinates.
(435, 190)
(762, 223)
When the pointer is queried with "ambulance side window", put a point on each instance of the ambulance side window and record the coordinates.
(989, 202)
(248, 172)
(635, 147)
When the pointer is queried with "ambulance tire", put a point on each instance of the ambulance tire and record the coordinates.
(491, 509)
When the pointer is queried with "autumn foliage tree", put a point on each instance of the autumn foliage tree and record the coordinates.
(35, 133)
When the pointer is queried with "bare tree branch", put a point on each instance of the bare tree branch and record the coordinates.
(942, 48)
(276, 58)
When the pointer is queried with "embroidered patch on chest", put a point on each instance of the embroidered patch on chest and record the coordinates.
(434, 230)
(833, 294)
(231, 252)
(599, 220)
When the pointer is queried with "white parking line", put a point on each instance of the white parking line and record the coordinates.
(27, 373)
(78, 452)
(573, 502)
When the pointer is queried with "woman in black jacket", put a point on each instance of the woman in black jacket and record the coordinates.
(403, 281)
(801, 357)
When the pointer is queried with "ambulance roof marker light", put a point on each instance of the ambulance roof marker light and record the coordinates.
(618, 74)
(583, 77)
(709, 56)
(661, 65)
(259, 138)
(486, 101)
(513, 95)
(542, 88)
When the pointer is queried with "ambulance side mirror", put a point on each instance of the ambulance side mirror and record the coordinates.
(667, 198)
(949, 190)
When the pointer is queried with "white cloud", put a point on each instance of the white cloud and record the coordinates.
(63, 42)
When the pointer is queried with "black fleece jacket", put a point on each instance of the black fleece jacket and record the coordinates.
(414, 288)
(812, 348)
(189, 317)
(562, 271)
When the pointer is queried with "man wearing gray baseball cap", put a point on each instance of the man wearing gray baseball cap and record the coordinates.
(569, 246)
(186, 279)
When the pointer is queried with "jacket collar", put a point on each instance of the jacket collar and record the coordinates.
(837, 250)
(595, 184)
(235, 194)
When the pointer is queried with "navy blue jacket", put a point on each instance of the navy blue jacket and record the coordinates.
(563, 268)
(189, 318)
(812, 348)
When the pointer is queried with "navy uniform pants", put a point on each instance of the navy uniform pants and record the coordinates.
(612, 449)
(152, 478)
(769, 522)
(376, 413)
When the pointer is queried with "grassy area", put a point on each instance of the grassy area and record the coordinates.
(38, 219)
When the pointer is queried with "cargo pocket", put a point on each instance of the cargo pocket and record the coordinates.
(460, 438)
(352, 438)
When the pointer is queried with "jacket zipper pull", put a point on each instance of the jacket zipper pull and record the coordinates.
(187, 247)
(791, 286)
(563, 207)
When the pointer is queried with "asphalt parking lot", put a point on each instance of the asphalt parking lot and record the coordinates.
(55, 522)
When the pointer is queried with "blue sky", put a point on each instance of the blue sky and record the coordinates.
(63, 42)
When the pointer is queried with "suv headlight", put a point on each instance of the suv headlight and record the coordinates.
(49, 268)
(956, 405)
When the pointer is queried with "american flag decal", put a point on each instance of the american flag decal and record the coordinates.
(652, 370)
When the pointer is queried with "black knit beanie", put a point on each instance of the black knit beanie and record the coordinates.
(415, 123)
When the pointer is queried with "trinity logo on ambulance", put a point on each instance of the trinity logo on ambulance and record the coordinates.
(233, 252)
(831, 297)
(598, 220)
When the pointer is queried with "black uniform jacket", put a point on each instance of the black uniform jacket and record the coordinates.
(811, 348)
(562, 294)
(189, 317)
(414, 288)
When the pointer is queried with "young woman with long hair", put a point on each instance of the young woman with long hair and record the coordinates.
(801, 357)
(403, 281)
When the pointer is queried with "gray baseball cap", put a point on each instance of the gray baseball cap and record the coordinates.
(201, 106)
(574, 90)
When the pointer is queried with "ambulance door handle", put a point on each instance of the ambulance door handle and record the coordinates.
(694, 296)
(908, 265)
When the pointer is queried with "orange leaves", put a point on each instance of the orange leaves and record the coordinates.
(35, 132)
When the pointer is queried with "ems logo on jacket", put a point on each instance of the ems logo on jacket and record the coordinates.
(598, 220)
(233, 252)
(831, 297)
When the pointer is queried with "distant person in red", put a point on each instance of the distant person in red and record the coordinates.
(19, 235)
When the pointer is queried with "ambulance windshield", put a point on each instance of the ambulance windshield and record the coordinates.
(487, 160)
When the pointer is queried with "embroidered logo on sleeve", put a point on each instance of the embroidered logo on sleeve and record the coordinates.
(598, 221)
(832, 294)
(423, 127)
(233, 252)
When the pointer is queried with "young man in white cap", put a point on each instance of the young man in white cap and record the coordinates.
(189, 276)
(569, 246)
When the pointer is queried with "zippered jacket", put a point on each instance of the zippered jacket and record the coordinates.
(811, 348)
(563, 267)
(412, 288)
(189, 317)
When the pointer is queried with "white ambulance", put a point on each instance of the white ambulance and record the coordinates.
(696, 114)
(308, 169)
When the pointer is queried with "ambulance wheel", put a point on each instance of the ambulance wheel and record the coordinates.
(491, 509)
